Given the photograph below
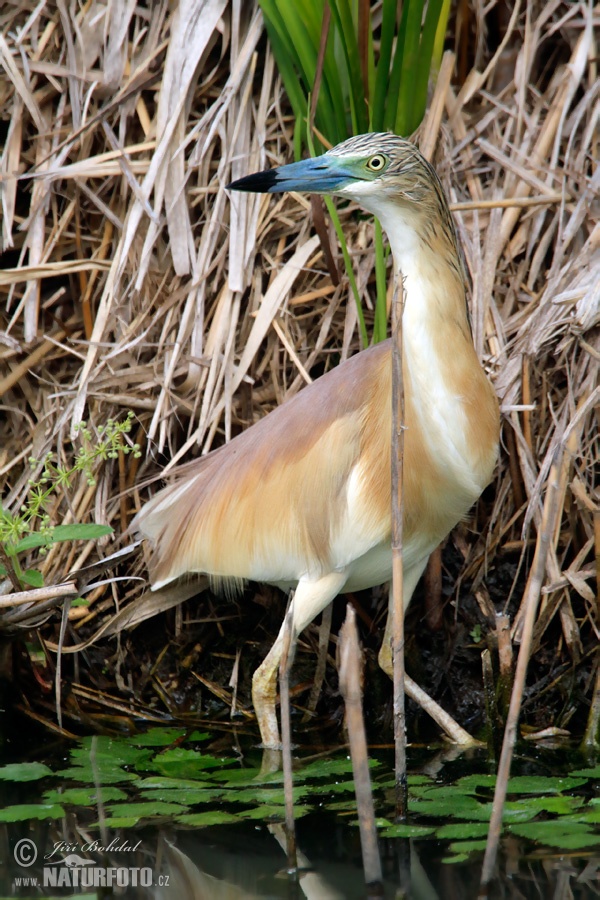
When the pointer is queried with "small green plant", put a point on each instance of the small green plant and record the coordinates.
(31, 527)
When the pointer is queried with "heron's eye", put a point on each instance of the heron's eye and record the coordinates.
(377, 163)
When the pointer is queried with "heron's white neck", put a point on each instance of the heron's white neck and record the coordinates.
(440, 362)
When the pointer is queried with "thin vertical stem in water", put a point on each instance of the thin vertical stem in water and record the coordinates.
(350, 686)
(287, 656)
(532, 596)
(397, 605)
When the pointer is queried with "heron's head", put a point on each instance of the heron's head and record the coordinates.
(372, 169)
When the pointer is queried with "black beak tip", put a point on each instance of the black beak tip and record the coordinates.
(259, 183)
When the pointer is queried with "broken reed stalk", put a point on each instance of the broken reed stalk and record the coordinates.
(490, 702)
(350, 687)
(285, 664)
(591, 736)
(397, 568)
(505, 661)
(530, 604)
(320, 668)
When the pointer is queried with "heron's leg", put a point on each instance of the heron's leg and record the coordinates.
(454, 731)
(310, 598)
(411, 579)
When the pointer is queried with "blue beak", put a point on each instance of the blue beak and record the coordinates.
(320, 175)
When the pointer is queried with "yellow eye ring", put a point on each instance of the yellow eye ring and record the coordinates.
(377, 163)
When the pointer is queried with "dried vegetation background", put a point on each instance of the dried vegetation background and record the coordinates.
(130, 280)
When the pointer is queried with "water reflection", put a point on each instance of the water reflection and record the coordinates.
(243, 863)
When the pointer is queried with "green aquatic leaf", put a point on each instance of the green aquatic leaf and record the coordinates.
(106, 752)
(459, 858)
(407, 831)
(540, 784)
(188, 797)
(566, 833)
(462, 831)
(204, 819)
(342, 806)
(260, 794)
(593, 772)
(26, 771)
(158, 782)
(556, 803)
(465, 847)
(23, 811)
(470, 784)
(163, 737)
(273, 812)
(144, 810)
(182, 763)
(326, 768)
(232, 777)
(591, 816)
(455, 807)
(84, 796)
(97, 775)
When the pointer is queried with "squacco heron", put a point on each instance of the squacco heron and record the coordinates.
(302, 498)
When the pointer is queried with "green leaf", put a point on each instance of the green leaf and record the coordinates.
(144, 809)
(539, 784)
(558, 804)
(24, 811)
(269, 812)
(463, 831)
(60, 533)
(27, 771)
(188, 797)
(453, 807)
(565, 833)
(407, 831)
(85, 796)
(163, 737)
(326, 768)
(465, 847)
(158, 782)
(182, 763)
(216, 817)
(32, 578)
(87, 775)
(269, 795)
(106, 751)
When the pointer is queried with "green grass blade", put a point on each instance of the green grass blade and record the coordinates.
(349, 270)
(380, 324)
(440, 37)
(382, 75)
(393, 90)
(428, 36)
(410, 59)
(347, 261)
(341, 15)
